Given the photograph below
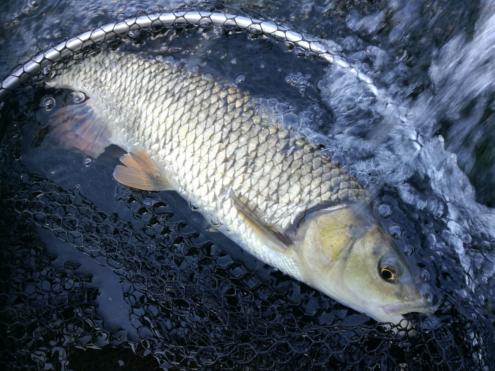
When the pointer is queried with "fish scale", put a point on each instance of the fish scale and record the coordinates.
(215, 141)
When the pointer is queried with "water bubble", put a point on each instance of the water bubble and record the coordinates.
(30, 7)
(291, 119)
(134, 34)
(193, 207)
(48, 103)
(431, 323)
(87, 161)
(425, 275)
(408, 249)
(395, 231)
(431, 239)
(463, 293)
(384, 210)
(240, 79)
(215, 222)
(78, 97)
(466, 238)
(46, 70)
(298, 80)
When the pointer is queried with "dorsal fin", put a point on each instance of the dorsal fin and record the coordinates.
(139, 171)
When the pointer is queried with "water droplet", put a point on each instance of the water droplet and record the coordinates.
(87, 161)
(48, 103)
(384, 210)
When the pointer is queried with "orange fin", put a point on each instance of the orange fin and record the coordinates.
(77, 127)
(139, 171)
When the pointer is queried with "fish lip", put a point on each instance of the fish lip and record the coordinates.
(410, 307)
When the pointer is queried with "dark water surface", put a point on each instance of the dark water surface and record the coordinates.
(97, 276)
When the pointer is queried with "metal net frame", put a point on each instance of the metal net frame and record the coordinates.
(179, 19)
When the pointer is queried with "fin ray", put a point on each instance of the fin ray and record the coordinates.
(268, 233)
(139, 171)
(77, 126)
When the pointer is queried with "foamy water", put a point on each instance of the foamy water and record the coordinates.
(400, 135)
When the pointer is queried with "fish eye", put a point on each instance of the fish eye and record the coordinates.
(388, 273)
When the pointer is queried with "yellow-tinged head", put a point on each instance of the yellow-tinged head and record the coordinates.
(346, 255)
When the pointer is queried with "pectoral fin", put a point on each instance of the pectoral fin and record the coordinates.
(139, 171)
(270, 234)
(78, 127)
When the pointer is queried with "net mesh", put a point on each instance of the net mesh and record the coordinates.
(158, 290)
(190, 302)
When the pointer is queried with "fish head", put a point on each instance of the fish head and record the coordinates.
(347, 256)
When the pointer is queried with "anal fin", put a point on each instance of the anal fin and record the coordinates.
(77, 126)
(139, 171)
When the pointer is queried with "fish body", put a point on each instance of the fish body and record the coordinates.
(269, 187)
(213, 142)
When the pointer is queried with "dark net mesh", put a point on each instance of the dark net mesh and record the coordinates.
(94, 275)
(185, 301)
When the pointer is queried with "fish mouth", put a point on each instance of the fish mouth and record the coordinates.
(411, 307)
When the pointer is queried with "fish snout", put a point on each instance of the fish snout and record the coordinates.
(425, 300)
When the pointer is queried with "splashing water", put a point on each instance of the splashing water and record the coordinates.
(463, 76)
(396, 139)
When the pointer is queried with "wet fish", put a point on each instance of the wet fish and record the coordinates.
(274, 192)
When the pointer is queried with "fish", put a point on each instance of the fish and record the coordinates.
(272, 190)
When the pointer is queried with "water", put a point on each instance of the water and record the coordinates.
(423, 150)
